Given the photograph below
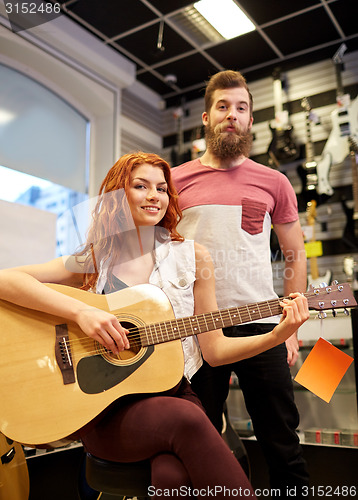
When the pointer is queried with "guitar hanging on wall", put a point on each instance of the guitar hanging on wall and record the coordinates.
(314, 175)
(314, 249)
(14, 476)
(282, 148)
(344, 117)
(350, 233)
(349, 266)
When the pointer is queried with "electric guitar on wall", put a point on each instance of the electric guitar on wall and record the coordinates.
(344, 118)
(349, 266)
(314, 176)
(350, 233)
(314, 250)
(282, 148)
(14, 476)
(55, 379)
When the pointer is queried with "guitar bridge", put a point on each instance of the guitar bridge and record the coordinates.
(63, 354)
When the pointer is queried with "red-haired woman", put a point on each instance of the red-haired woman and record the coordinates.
(133, 240)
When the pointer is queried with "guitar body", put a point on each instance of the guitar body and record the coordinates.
(317, 281)
(323, 190)
(43, 399)
(344, 125)
(350, 233)
(55, 379)
(308, 178)
(323, 168)
(14, 476)
(282, 147)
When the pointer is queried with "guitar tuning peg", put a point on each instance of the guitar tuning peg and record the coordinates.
(334, 313)
(334, 282)
(346, 312)
(323, 285)
(322, 315)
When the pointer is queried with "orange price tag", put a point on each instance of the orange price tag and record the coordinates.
(323, 369)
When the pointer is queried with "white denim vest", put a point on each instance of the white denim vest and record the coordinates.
(174, 273)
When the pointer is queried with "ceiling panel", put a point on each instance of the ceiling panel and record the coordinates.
(265, 12)
(189, 70)
(234, 54)
(161, 38)
(166, 6)
(311, 29)
(345, 11)
(111, 17)
(144, 44)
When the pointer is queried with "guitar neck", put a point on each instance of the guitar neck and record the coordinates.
(311, 217)
(309, 148)
(277, 94)
(314, 268)
(166, 331)
(309, 153)
(340, 90)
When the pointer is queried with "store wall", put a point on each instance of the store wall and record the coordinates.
(317, 82)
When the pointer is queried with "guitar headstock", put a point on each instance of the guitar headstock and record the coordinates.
(306, 104)
(276, 73)
(333, 296)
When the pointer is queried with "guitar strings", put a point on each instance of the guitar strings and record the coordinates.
(187, 323)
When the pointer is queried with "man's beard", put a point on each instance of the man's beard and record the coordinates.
(226, 145)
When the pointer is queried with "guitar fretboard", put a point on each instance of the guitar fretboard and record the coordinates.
(309, 148)
(166, 331)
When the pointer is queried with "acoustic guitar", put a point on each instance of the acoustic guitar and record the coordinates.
(55, 379)
(14, 476)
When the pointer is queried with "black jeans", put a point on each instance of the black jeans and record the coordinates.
(266, 384)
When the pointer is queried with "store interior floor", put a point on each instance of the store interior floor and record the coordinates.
(54, 476)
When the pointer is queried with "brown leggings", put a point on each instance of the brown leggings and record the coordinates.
(187, 454)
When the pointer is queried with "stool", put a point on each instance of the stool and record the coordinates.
(235, 443)
(118, 478)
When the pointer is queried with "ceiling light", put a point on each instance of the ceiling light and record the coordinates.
(226, 17)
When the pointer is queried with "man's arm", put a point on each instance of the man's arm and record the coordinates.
(291, 242)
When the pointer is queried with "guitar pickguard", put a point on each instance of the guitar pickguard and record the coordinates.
(95, 374)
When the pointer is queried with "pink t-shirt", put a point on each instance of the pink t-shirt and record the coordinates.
(231, 212)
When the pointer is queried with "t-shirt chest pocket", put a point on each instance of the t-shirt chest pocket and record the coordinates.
(253, 215)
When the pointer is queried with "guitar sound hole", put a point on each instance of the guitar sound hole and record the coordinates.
(133, 337)
(127, 354)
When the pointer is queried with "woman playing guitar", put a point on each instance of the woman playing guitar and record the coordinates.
(133, 240)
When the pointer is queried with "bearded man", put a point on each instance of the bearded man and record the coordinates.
(229, 204)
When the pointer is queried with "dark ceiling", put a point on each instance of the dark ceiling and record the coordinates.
(289, 34)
